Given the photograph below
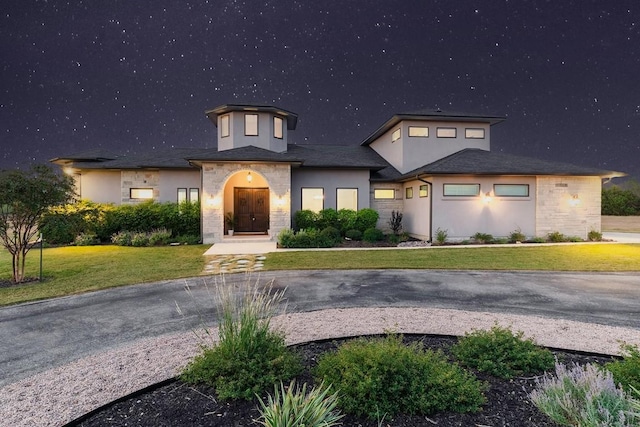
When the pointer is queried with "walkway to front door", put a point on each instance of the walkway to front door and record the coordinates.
(251, 207)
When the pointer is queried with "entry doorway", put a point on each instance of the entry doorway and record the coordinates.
(251, 208)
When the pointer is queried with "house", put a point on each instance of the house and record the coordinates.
(434, 166)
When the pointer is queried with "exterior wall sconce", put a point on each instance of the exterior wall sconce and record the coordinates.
(574, 200)
(249, 177)
(213, 202)
(280, 201)
(487, 198)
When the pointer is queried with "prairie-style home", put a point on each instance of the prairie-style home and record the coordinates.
(435, 167)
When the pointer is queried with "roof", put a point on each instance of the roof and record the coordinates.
(97, 155)
(473, 161)
(431, 115)
(292, 118)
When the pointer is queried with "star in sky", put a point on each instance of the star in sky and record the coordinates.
(132, 76)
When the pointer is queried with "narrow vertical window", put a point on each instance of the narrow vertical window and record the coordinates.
(194, 195)
(395, 135)
(278, 131)
(251, 124)
(224, 126)
(408, 193)
(182, 195)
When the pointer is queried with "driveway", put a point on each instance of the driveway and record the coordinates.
(38, 336)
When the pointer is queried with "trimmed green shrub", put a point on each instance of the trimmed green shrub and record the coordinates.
(517, 236)
(250, 357)
(305, 219)
(482, 238)
(294, 407)
(347, 220)
(556, 237)
(366, 218)
(286, 238)
(502, 353)
(385, 376)
(372, 235)
(327, 218)
(353, 234)
(584, 396)
(626, 372)
(331, 234)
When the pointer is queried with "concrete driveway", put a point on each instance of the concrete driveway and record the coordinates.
(38, 336)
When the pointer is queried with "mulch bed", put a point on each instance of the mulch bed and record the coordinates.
(179, 404)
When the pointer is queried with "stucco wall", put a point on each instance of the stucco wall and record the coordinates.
(216, 178)
(101, 186)
(416, 211)
(570, 205)
(462, 217)
(386, 206)
(330, 181)
(264, 139)
(171, 180)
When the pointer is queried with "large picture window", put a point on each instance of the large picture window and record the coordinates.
(347, 198)
(384, 193)
(141, 193)
(461, 190)
(251, 124)
(511, 190)
(224, 126)
(313, 199)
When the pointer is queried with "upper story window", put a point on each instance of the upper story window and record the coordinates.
(408, 193)
(384, 193)
(278, 126)
(224, 126)
(141, 193)
(446, 133)
(511, 190)
(395, 135)
(474, 133)
(461, 190)
(251, 124)
(422, 131)
(424, 191)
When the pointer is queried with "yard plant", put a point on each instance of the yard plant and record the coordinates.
(626, 372)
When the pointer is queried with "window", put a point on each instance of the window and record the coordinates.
(278, 128)
(194, 195)
(347, 198)
(461, 189)
(141, 193)
(182, 195)
(313, 199)
(224, 126)
(418, 131)
(511, 190)
(384, 193)
(408, 193)
(251, 124)
(424, 191)
(473, 133)
(446, 132)
(395, 135)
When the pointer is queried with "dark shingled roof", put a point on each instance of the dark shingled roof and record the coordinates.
(473, 161)
(290, 116)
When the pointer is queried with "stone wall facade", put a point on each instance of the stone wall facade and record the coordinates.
(385, 206)
(139, 179)
(215, 177)
(569, 205)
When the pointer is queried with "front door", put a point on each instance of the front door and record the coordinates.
(251, 206)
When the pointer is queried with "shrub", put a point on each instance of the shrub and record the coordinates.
(86, 239)
(187, 239)
(594, 236)
(347, 220)
(294, 407)
(617, 201)
(441, 236)
(501, 353)
(331, 234)
(327, 218)
(583, 396)
(395, 222)
(482, 238)
(556, 237)
(384, 376)
(353, 234)
(517, 236)
(122, 238)
(159, 237)
(626, 372)
(305, 219)
(366, 218)
(286, 238)
(139, 239)
(372, 235)
(249, 357)
(538, 240)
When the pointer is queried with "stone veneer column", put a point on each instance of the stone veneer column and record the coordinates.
(558, 210)
(214, 180)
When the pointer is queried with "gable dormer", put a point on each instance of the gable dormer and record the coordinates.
(252, 125)
(411, 140)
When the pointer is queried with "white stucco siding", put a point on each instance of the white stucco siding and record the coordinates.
(570, 205)
(392, 152)
(265, 138)
(463, 216)
(100, 186)
(416, 211)
(171, 180)
(330, 180)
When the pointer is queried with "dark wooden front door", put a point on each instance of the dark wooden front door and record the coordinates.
(251, 206)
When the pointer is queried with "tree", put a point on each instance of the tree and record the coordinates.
(24, 197)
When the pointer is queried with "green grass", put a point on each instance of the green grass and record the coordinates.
(78, 269)
(564, 257)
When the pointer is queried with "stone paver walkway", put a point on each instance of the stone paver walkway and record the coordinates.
(217, 264)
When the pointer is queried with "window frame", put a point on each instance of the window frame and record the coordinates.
(396, 135)
(443, 128)
(140, 189)
(408, 193)
(197, 192)
(185, 197)
(424, 187)
(376, 190)
(302, 198)
(278, 129)
(225, 126)
(426, 128)
(338, 207)
(496, 193)
(257, 124)
(467, 136)
(474, 185)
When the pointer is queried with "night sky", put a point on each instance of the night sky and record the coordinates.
(137, 75)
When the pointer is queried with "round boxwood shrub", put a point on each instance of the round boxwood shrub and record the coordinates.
(305, 219)
(347, 220)
(366, 218)
(331, 234)
(372, 235)
(353, 234)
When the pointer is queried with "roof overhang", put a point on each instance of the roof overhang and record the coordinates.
(291, 117)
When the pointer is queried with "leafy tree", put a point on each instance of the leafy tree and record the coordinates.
(24, 197)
